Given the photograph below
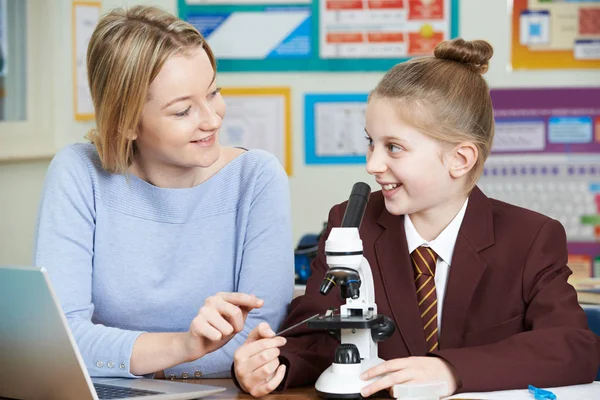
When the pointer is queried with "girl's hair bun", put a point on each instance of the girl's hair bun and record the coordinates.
(475, 53)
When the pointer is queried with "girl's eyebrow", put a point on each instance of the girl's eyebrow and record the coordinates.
(390, 138)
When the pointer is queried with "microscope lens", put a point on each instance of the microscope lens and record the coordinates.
(353, 289)
(327, 284)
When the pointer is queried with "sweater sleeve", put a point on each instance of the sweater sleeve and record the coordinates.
(64, 245)
(267, 267)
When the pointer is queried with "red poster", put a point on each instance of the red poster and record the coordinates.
(386, 4)
(420, 9)
(419, 45)
(344, 4)
(385, 37)
(589, 21)
(345, 37)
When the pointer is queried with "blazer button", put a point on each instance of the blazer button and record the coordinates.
(99, 364)
(172, 376)
(198, 374)
(110, 364)
(122, 366)
(185, 375)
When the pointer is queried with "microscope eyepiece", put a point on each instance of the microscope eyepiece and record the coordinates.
(357, 202)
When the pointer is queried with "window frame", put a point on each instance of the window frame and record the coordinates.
(33, 138)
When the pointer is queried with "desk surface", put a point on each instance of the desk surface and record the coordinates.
(580, 392)
(232, 391)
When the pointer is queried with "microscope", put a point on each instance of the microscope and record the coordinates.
(358, 322)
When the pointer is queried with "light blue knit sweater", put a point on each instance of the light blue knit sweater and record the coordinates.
(127, 257)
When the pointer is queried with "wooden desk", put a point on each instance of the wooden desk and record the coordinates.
(232, 391)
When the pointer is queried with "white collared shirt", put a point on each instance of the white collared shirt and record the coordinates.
(443, 245)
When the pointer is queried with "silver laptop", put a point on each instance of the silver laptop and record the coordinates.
(40, 360)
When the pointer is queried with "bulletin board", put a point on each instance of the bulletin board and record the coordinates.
(320, 35)
(555, 34)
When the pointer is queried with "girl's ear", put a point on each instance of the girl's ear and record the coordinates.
(462, 159)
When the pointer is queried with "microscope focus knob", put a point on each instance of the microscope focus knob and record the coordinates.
(347, 353)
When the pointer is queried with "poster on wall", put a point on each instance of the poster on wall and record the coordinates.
(3, 39)
(320, 35)
(382, 28)
(545, 157)
(334, 128)
(85, 18)
(555, 34)
(259, 118)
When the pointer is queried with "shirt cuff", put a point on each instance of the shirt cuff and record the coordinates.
(115, 364)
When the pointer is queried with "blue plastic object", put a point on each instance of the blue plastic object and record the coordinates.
(593, 316)
(304, 253)
(541, 394)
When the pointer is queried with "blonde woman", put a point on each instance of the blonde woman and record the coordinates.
(164, 247)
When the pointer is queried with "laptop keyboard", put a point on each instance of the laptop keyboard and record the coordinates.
(115, 392)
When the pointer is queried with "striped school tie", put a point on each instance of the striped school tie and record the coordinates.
(424, 260)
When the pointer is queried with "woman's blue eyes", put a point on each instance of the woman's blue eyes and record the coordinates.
(186, 112)
(215, 92)
(369, 141)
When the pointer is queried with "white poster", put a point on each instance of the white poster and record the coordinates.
(85, 18)
(256, 122)
(339, 129)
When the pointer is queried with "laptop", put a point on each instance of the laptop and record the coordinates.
(40, 360)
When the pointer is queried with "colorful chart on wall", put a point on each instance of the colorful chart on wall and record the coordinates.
(553, 34)
(546, 157)
(320, 35)
(547, 121)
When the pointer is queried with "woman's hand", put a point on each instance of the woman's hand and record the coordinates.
(410, 370)
(256, 362)
(221, 317)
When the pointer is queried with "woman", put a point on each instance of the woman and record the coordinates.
(154, 220)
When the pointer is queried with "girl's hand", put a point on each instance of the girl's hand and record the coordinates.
(410, 370)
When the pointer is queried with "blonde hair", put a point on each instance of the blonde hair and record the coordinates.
(446, 97)
(126, 52)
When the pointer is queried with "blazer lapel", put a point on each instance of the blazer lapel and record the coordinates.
(476, 233)
(396, 270)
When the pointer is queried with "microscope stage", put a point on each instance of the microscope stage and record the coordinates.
(340, 322)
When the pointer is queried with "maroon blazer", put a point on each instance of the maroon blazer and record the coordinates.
(509, 317)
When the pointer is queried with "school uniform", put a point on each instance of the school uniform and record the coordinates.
(507, 316)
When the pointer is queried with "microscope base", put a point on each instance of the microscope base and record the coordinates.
(342, 381)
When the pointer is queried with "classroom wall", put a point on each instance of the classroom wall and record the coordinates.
(21, 182)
